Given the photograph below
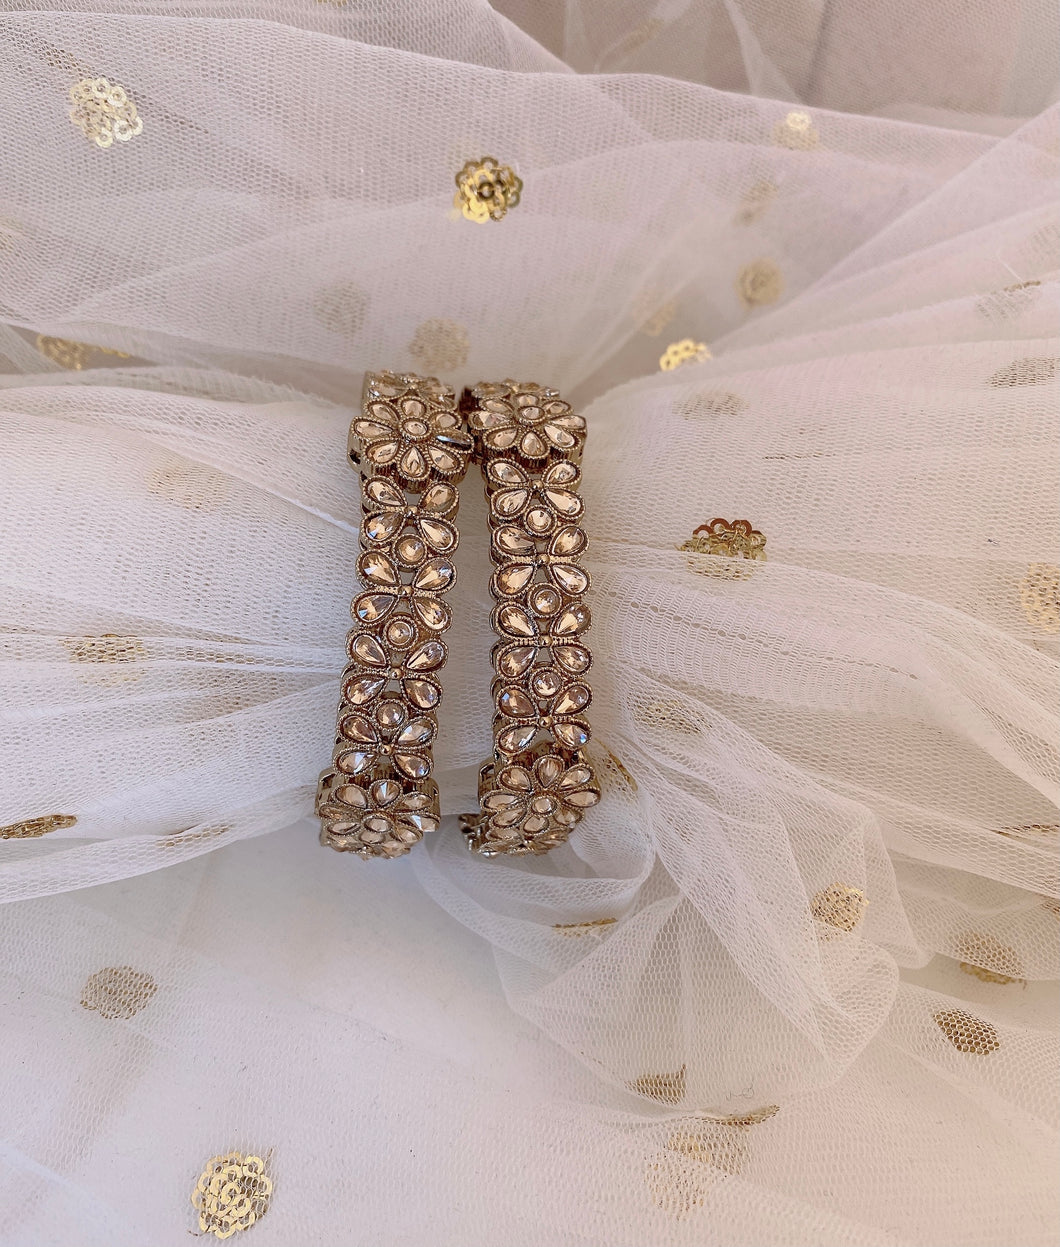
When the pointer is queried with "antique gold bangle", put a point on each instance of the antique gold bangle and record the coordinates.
(538, 783)
(377, 798)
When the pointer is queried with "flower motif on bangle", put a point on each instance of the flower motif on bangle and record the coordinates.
(381, 819)
(387, 734)
(530, 800)
(532, 423)
(387, 513)
(414, 436)
(541, 505)
(545, 703)
(373, 668)
(382, 574)
(519, 558)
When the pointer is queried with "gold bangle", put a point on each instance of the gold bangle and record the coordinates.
(538, 783)
(377, 798)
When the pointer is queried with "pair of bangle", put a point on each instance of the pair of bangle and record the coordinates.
(413, 443)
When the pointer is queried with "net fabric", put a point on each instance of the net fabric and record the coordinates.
(823, 877)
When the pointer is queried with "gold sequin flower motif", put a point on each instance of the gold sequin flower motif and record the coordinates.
(687, 351)
(232, 1193)
(734, 539)
(1040, 596)
(103, 112)
(486, 189)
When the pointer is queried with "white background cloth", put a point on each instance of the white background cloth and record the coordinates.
(854, 206)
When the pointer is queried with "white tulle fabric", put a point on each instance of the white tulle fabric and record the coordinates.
(582, 1049)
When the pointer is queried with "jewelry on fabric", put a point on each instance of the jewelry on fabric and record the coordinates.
(538, 783)
(377, 798)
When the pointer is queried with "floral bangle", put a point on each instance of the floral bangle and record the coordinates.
(377, 798)
(538, 783)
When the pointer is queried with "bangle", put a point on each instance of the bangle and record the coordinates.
(377, 798)
(538, 783)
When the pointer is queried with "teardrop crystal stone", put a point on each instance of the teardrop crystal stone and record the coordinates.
(545, 600)
(422, 822)
(364, 648)
(408, 835)
(514, 579)
(583, 798)
(529, 411)
(354, 761)
(546, 682)
(564, 502)
(573, 733)
(548, 769)
(384, 791)
(443, 460)
(562, 473)
(410, 550)
(439, 498)
(517, 778)
(440, 535)
(383, 412)
(426, 657)
(384, 492)
(350, 794)
(382, 453)
(418, 732)
(576, 776)
(432, 613)
(356, 727)
(499, 405)
(568, 542)
(500, 439)
(383, 526)
(514, 661)
(413, 464)
(511, 540)
(508, 502)
(435, 576)
(572, 699)
(559, 438)
(421, 800)
(515, 621)
(377, 569)
(413, 407)
(539, 520)
(515, 703)
(423, 694)
(362, 690)
(516, 739)
(371, 836)
(400, 632)
(414, 765)
(570, 621)
(570, 579)
(533, 445)
(370, 607)
(503, 834)
(390, 713)
(504, 472)
(372, 430)
(415, 429)
(534, 823)
(573, 658)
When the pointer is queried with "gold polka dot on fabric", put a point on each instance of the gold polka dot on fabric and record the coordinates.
(341, 309)
(666, 1088)
(988, 954)
(735, 540)
(232, 1193)
(987, 976)
(680, 1177)
(839, 905)
(711, 403)
(189, 485)
(440, 345)
(486, 190)
(73, 356)
(593, 927)
(755, 201)
(1040, 596)
(1029, 831)
(797, 132)
(667, 713)
(31, 828)
(1032, 370)
(615, 773)
(103, 112)
(968, 1033)
(687, 351)
(1010, 302)
(760, 283)
(108, 649)
(194, 835)
(118, 991)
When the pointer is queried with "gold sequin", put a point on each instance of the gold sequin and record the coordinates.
(796, 132)
(1029, 831)
(968, 1033)
(987, 976)
(1040, 596)
(687, 351)
(667, 1088)
(676, 1183)
(711, 403)
(440, 345)
(988, 953)
(583, 928)
(103, 112)
(663, 712)
(722, 1146)
(232, 1193)
(1010, 302)
(189, 485)
(31, 828)
(1032, 370)
(341, 309)
(839, 906)
(735, 540)
(759, 283)
(118, 991)
(486, 190)
(109, 649)
(73, 356)
(755, 201)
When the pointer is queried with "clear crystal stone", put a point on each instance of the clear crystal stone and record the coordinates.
(503, 472)
(546, 683)
(559, 438)
(415, 428)
(516, 739)
(350, 794)
(548, 769)
(383, 412)
(513, 662)
(382, 527)
(509, 502)
(414, 765)
(410, 550)
(563, 473)
(513, 541)
(372, 429)
(570, 579)
(400, 632)
(384, 791)
(443, 460)
(496, 802)
(545, 600)
(568, 542)
(358, 728)
(432, 613)
(382, 453)
(426, 657)
(518, 778)
(384, 492)
(576, 776)
(367, 650)
(500, 439)
(408, 835)
(422, 822)
(439, 498)
(368, 836)
(413, 407)
(413, 464)
(573, 699)
(360, 691)
(539, 520)
(534, 823)
(515, 621)
(515, 703)
(573, 733)
(572, 620)
(564, 502)
(435, 575)
(418, 732)
(378, 569)
(572, 658)
(390, 713)
(423, 694)
(354, 761)
(442, 536)
(583, 798)
(533, 445)
(514, 579)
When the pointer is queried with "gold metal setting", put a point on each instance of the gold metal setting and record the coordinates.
(103, 112)
(538, 783)
(486, 189)
(377, 798)
(233, 1191)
